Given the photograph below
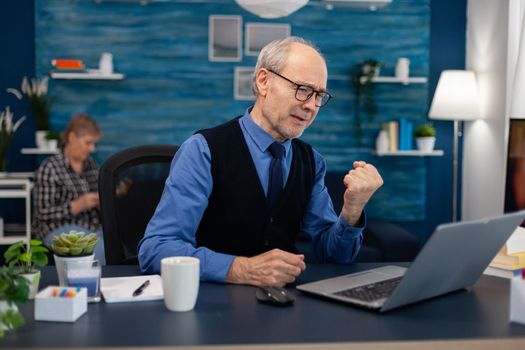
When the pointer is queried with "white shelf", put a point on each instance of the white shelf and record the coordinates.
(11, 239)
(90, 74)
(411, 153)
(395, 80)
(38, 151)
(16, 175)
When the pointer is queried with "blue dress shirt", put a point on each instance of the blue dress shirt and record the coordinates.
(171, 230)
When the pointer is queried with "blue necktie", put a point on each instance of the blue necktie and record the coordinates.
(275, 184)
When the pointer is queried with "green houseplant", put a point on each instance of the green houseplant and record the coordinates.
(70, 247)
(364, 101)
(7, 129)
(14, 289)
(25, 258)
(425, 135)
(425, 130)
(35, 91)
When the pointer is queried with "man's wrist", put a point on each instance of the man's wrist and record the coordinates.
(236, 272)
(352, 214)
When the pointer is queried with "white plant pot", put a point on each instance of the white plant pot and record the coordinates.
(34, 279)
(426, 144)
(62, 262)
(52, 145)
(40, 139)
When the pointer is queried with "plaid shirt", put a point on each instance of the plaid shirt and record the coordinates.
(56, 185)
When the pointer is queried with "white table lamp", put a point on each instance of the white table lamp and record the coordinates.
(456, 98)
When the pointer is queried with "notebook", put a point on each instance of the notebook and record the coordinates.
(120, 289)
(454, 258)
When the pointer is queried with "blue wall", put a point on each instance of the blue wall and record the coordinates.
(171, 89)
(447, 29)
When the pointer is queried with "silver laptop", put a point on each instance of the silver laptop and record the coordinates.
(454, 257)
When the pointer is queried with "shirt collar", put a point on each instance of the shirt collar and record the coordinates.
(259, 136)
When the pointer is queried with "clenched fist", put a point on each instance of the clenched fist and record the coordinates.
(361, 183)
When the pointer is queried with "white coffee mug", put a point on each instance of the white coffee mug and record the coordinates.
(180, 282)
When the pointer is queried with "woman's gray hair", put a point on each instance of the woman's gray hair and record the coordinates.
(275, 55)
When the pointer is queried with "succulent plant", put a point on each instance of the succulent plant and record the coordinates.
(74, 243)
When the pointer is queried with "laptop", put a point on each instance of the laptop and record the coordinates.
(454, 258)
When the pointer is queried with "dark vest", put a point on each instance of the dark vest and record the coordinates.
(238, 219)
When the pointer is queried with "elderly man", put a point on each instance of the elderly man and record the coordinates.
(239, 194)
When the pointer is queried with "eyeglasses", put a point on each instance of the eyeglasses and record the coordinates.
(304, 92)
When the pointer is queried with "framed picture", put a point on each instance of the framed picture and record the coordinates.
(260, 34)
(224, 38)
(242, 83)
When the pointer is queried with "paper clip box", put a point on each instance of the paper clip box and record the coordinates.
(49, 307)
(517, 298)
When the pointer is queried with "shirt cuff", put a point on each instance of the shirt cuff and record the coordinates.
(217, 267)
(348, 231)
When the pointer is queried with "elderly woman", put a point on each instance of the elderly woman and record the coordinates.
(66, 186)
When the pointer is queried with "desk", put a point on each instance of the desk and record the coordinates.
(229, 315)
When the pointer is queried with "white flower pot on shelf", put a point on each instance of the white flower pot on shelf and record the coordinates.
(34, 279)
(426, 144)
(61, 263)
(40, 139)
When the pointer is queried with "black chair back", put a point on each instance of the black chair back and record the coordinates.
(130, 186)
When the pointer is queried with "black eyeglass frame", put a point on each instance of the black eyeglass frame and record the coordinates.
(298, 86)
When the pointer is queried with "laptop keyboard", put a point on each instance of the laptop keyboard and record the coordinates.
(371, 292)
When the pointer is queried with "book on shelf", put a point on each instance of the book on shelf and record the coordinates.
(510, 259)
(494, 271)
(392, 128)
(68, 64)
(405, 135)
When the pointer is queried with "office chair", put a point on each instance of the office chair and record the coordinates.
(130, 186)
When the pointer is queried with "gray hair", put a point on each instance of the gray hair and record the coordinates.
(275, 55)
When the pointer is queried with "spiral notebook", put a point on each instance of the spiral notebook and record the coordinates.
(120, 289)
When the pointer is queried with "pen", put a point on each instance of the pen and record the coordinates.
(140, 289)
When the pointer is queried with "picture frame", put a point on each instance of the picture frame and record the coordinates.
(257, 35)
(224, 38)
(242, 83)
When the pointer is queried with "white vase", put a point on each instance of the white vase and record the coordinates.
(61, 263)
(403, 68)
(34, 280)
(426, 144)
(40, 139)
(382, 142)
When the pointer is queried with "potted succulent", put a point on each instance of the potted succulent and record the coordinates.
(71, 247)
(425, 135)
(52, 139)
(25, 258)
(14, 289)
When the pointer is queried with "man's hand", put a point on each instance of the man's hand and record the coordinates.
(86, 201)
(361, 183)
(274, 268)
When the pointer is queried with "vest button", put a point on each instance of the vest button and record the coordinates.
(271, 220)
(266, 243)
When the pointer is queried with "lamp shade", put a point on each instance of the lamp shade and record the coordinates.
(456, 96)
(271, 8)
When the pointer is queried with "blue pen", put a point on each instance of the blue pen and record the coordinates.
(63, 292)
